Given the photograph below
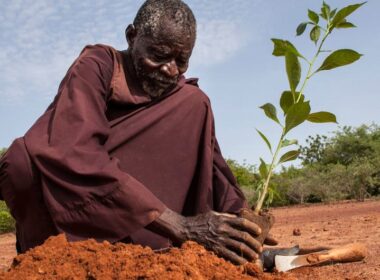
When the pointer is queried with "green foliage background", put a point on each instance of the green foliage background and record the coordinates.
(2, 151)
(7, 224)
(343, 166)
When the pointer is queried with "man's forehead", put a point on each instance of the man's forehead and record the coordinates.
(170, 33)
(168, 25)
(166, 46)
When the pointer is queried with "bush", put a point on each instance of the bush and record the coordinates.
(2, 151)
(7, 223)
(244, 173)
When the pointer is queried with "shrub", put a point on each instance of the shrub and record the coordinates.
(2, 151)
(7, 223)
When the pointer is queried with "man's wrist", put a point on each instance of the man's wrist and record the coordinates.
(171, 225)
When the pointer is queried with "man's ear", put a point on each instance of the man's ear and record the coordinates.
(130, 34)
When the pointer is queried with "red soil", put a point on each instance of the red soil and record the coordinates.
(333, 225)
(58, 259)
(321, 225)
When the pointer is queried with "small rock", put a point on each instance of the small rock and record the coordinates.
(296, 232)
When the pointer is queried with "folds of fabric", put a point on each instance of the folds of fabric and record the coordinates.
(85, 191)
(20, 188)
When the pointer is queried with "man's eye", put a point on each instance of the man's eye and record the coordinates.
(181, 62)
(160, 56)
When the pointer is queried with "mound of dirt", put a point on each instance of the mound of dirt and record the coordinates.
(59, 259)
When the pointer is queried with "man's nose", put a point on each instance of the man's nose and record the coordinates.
(170, 69)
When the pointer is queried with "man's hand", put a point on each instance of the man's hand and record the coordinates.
(227, 235)
(270, 240)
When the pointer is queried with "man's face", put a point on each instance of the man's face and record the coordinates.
(159, 59)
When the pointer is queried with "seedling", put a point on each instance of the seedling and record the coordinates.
(296, 109)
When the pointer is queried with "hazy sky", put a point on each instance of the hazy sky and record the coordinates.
(39, 39)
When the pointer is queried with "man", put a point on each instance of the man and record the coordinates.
(127, 150)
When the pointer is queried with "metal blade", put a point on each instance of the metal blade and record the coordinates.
(286, 263)
(268, 255)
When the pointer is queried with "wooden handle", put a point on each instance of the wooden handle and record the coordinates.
(349, 253)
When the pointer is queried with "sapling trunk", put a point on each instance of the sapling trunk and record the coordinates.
(263, 195)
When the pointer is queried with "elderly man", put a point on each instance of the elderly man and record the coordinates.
(127, 150)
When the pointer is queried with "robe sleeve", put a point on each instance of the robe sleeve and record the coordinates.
(228, 197)
(85, 191)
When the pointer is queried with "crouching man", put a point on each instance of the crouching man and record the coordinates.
(127, 150)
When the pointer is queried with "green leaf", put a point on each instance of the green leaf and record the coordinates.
(339, 58)
(345, 12)
(270, 197)
(325, 11)
(296, 115)
(291, 155)
(270, 112)
(322, 117)
(323, 15)
(286, 143)
(332, 13)
(345, 24)
(287, 99)
(313, 16)
(283, 46)
(293, 69)
(263, 169)
(301, 28)
(265, 139)
(315, 33)
(325, 5)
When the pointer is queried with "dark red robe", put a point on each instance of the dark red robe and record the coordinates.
(104, 161)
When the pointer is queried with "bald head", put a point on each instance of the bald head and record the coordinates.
(153, 15)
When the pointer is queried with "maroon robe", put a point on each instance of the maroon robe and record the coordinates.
(104, 161)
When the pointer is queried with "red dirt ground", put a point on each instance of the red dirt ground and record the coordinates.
(333, 225)
(320, 225)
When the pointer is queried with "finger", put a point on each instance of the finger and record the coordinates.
(230, 256)
(225, 214)
(246, 238)
(241, 249)
(270, 240)
(245, 225)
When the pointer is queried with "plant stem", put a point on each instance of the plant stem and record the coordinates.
(270, 172)
(311, 64)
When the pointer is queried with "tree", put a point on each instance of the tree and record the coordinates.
(344, 147)
(350, 144)
(314, 151)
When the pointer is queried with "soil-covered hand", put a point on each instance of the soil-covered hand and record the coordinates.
(227, 235)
